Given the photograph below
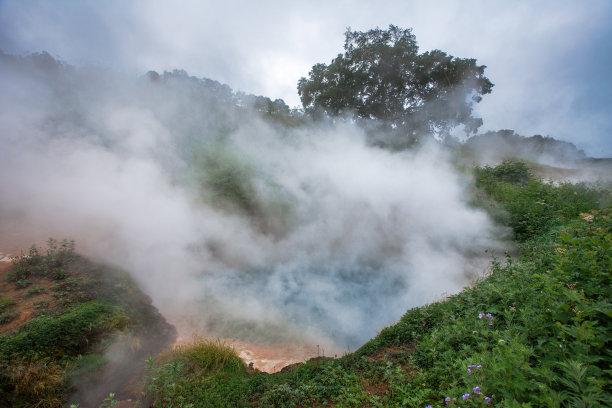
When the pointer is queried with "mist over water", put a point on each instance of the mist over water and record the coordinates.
(235, 227)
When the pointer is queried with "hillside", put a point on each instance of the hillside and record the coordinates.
(72, 330)
(534, 332)
(549, 159)
(231, 220)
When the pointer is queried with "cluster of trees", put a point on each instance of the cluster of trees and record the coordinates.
(382, 77)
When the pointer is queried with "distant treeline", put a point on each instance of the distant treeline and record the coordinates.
(210, 107)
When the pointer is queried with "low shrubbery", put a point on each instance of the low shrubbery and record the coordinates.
(68, 334)
(79, 307)
(533, 207)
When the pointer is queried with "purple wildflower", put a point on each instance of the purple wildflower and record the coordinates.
(469, 370)
(429, 406)
(480, 315)
(465, 396)
(487, 400)
(447, 400)
(490, 316)
(477, 390)
(472, 366)
(479, 367)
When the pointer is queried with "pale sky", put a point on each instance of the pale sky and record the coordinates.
(549, 60)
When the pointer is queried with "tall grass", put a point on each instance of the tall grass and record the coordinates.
(203, 373)
(206, 356)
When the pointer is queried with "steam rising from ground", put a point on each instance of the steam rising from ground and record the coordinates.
(236, 228)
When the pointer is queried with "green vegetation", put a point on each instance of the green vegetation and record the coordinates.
(381, 76)
(205, 371)
(225, 178)
(5, 303)
(232, 183)
(36, 290)
(63, 344)
(8, 316)
(532, 206)
(536, 332)
(65, 335)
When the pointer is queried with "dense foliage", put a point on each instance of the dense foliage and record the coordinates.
(382, 76)
(533, 206)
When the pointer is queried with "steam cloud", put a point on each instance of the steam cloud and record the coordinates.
(234, 227)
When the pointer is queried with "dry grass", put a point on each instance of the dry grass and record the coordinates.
(39, 382)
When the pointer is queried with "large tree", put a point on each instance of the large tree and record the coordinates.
(382, 77)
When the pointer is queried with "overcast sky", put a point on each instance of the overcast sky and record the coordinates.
(550, 60)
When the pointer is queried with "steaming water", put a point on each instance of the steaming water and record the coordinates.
(235, 227)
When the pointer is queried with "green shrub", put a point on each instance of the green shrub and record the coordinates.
(509, 171)
(35, 290)
(8, 316)
(35, 264)
(6, 302)
(533, 207)
(23, 283)
(66, 335)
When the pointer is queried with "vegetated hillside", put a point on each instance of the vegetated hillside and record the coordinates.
(496, 146)
(548, 158)
(536, 332)
(71, 327)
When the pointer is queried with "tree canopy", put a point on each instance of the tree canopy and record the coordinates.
(381, 76)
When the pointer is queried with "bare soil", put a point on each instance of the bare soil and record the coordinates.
(27, 306)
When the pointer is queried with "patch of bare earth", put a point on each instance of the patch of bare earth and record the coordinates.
(36, 297)
(387, 352)
(272, 359)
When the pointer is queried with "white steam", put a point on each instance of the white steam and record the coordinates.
(327, 237)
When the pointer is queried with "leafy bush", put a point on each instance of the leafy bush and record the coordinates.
(65, 335)
(533, 207)
(35, 290)
(35, 264)
(509, 171)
